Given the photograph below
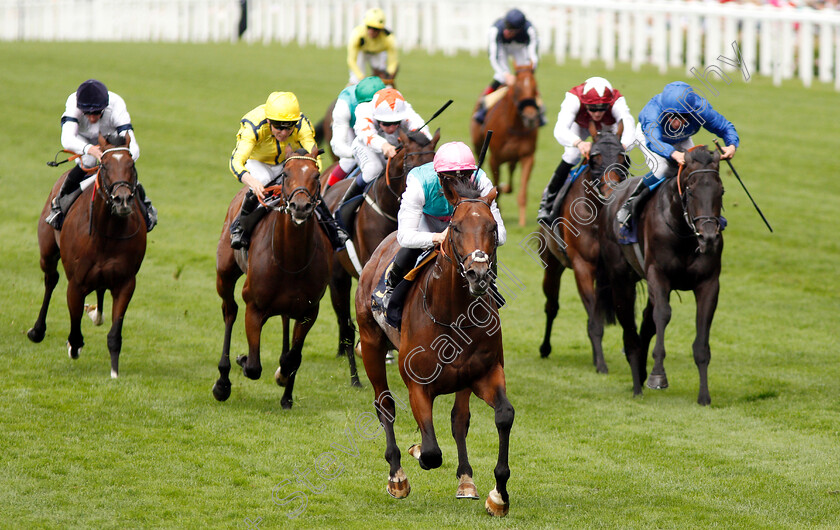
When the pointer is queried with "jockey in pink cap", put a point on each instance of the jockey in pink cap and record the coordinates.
(425, 212)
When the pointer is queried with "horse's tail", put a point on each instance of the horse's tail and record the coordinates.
(604, 304)
(319, 131)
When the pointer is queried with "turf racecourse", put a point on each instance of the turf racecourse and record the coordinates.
(154, 449)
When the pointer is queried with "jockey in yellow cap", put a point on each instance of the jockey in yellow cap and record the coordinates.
(371, 44)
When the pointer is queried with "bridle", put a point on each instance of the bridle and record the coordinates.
(684, 195)
(477, 255)
(109, 191)
(374, 202)
(281, 201)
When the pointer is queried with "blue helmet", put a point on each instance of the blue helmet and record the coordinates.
(514, 19)
(91, 96)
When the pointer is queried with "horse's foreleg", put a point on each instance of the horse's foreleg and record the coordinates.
(525, 176)
(706, 295)
(121, 297)
(251, 366)
(585, 279)
(76, 307)
(659, 291)
(95, 313)
(225, 286)
(460, 428)
(290, 362)
(648, 329)
(491, 389)
(551, 289)
(496, 170)
(428, 452)
(624, 299)
(49, 265)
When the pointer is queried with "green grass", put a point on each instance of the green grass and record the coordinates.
(154, 449)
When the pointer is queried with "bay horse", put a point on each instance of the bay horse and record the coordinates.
(515, 121)
(572, 241)
(288, 267)
(375, 220)
(101, 246)
(450, 342)
(680, 235)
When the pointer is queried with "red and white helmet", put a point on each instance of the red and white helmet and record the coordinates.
(389, 106)
(454, 156)
(596, 91)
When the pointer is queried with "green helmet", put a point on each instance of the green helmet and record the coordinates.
(367, 87)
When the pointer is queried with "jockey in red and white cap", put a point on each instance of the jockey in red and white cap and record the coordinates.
(594, 101)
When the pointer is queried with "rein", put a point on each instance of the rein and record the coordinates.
(313, 199)
(692, 221)
(374, 202)
(108, 193)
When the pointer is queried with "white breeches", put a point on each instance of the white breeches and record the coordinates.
(378, 61)
(371, 162)
(262, 171)
(572, 154)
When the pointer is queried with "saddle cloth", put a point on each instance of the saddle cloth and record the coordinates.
(393, 315)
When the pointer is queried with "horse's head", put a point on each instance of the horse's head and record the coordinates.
(117, 176)
(300, 184)
(525, 96)
(385, 77)
(415, 150)
(701, 193)
(607, 159)
(473, 234)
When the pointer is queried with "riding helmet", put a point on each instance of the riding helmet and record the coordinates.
(596, 91)
(367, 87)
(389, 106)
(454, 156)
(375, 18)
(514, 19)
(91, 96)
(282, 106)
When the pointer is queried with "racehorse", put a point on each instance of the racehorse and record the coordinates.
(376, 218)
(680, 234)
(450, 342)
(323, 129)
(572, 240)
(288, 268)
(514, 121)
(101, 246)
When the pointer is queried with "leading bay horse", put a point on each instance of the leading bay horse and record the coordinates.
(376, 218)
(680, 235)
(288, 267)
(515, 121)
(572, 240)
(450, 342)
(101, 246)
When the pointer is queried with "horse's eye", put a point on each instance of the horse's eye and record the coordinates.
(456, 229)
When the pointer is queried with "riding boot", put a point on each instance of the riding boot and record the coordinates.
(68, 193)
(551, 195)
(240, 228)
(338, 237)
(395, 276)
(481, 113)
(149, 211)
(343, 215)
(629, 210)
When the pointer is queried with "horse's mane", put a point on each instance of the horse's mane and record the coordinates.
(418, 138)
(702, 155)
(466, 188)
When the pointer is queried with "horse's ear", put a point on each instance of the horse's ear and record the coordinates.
(593, 129)
(102, 142)
(436, 138)
(126, 139)
(449, 192)
(620, 129)
(402, 136)
(314, 152)
(490, 197)
(289, 152)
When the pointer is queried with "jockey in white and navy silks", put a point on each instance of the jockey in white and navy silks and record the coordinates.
(666, 125)
(511, 37)
(425, 212)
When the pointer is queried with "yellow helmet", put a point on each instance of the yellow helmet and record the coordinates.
(282, 106)
(375, 18)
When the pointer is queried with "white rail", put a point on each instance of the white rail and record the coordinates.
(782, 43)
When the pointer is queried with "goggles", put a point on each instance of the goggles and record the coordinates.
(282, 125)
(600, 107)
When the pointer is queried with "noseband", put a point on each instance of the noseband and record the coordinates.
(477, 255)
(283, 204)
(692, 221)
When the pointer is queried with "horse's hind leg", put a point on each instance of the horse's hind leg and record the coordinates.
(224, 286)
(340, 286)
(95, 312)
(122, 297)
(75, 305)
(491, 389)
(647, 331)
(585, 278)
(290, 361)
(551, 289)
(49, 264)
(624, 298)
(524, 177)
(460, 428)
(706, 295)
(659, 291)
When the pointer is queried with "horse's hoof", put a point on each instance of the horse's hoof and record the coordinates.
(466, 488)
(415, 450)
(279, 378)
(114, 374)
(241, 360)
(221, 390)
(358, 349)
(505, 188)
(657, 382)
(286, 404)
(250, 372)
(94, 314)
(495, 506)
(545, 350)
(35, 335)
(73, 352)
(398, 486)
(602, 369)
(355, 383)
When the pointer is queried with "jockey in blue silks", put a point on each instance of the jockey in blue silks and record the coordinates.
(666, 125)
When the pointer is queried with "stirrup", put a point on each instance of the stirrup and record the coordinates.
(623, 216)
(237, 236)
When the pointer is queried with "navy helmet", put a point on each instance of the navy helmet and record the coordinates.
(92, 96)
(514, 19)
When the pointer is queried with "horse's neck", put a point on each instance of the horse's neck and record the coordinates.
(292, 244)
(448, 292)
(385, 196)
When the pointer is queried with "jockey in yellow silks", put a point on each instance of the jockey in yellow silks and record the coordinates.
(371, 44)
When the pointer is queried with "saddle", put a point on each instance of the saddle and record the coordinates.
(494, 97)
(393, 315)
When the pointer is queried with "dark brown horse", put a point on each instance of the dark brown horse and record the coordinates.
(376, 218)
(514, 121)
(450, 342)
(572, 240)
(288, 268)
(681, 243)
(101, 246)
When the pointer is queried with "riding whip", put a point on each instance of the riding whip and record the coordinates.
(745, 188)
(484, 148)
(436, 114)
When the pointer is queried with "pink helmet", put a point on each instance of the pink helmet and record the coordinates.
(454, 156)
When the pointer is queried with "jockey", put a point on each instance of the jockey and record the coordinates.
(596, 101)
(378, 124)
(343, 120)
(89, 112)
(258, 159)
(425, 212)
(370, 43)
(510, 37)
(666, 125)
